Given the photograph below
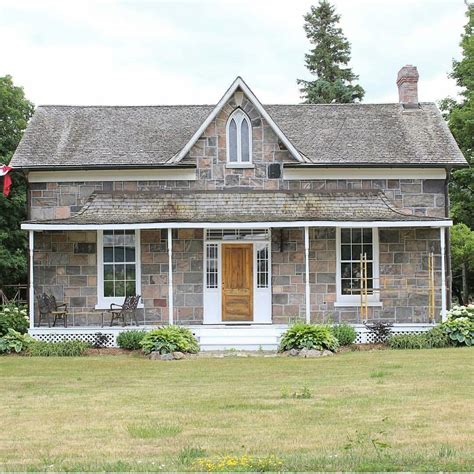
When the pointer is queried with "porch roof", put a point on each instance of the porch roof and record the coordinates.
(203, 208)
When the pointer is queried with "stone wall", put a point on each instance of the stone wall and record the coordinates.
(66, 266)
(403, 260)
(416, 196)
(187, 275)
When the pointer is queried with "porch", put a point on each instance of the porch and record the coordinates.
(218, 268)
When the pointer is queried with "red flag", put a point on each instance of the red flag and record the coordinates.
(7, 180)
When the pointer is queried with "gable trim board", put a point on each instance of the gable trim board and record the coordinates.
(156, 174)
(239, 84)
(189, 174)
(304, 173)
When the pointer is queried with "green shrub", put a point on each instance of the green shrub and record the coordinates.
(13, 317)
(13, 341)
(169, 339)
(407, 341)
(57, 349)
(308, 336)
(434, 338)
(130, 340)
(460, 331)
(344, 333)
(461, 312)
(437, 337)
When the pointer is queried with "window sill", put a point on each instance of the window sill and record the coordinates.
(239, 165)
(353, 304)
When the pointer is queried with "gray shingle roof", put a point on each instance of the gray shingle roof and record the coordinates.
(326, 134)
(235, 206)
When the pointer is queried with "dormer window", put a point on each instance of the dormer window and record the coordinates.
(239, 139)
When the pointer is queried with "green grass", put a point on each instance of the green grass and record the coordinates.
(132, 414)
(152, 430)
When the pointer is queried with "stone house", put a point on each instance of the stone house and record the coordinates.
(238, 218)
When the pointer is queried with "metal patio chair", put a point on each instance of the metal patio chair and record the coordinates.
(48, 306)
(126, 311)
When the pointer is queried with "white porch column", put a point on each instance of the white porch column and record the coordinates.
(442, 240)
(170, 276)
(306, 261)
(31, 294)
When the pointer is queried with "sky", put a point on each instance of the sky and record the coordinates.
(151, 52)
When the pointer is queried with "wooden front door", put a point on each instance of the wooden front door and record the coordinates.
(237, 282)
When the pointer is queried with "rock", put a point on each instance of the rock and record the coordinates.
(311, 353)
(166, 357)
(155, 355)
(293, 352)
(178, 355)
(327, 353)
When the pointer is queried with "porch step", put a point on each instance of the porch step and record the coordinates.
(250, 338)
(238, 347)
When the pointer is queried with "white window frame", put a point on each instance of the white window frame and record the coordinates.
(104, 302)
(354, 300)
(239, 163)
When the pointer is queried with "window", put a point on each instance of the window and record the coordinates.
(351, 244)
(237, 234)
(262, 265)
(211, 266)
(239, 139)
(118, 266)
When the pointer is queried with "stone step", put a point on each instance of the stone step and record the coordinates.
(230, 339)
(238, 347)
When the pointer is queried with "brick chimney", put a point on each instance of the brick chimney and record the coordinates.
(407, 82)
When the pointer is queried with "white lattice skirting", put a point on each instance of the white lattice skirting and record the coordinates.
(211, 337)
(365, 337)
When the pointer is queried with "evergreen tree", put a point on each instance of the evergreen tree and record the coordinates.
(15, 110)
(328, 59)
(460, 116)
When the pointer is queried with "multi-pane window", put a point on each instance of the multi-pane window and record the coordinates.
(119, 263)
(239, 138)
(355, 243)
(262, 266)
(211, 266)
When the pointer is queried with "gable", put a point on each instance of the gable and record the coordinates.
(233, 98)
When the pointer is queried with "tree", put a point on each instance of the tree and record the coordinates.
(460, 117)
(462, 254)
(328, 59)
(15, 111)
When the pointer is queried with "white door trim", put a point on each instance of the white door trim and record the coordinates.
(262, 297)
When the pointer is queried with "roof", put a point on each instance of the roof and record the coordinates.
(122, 207)
(144, 136)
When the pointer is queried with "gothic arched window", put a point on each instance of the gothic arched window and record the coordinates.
(239, 138)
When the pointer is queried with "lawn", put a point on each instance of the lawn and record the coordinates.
(375, 410)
